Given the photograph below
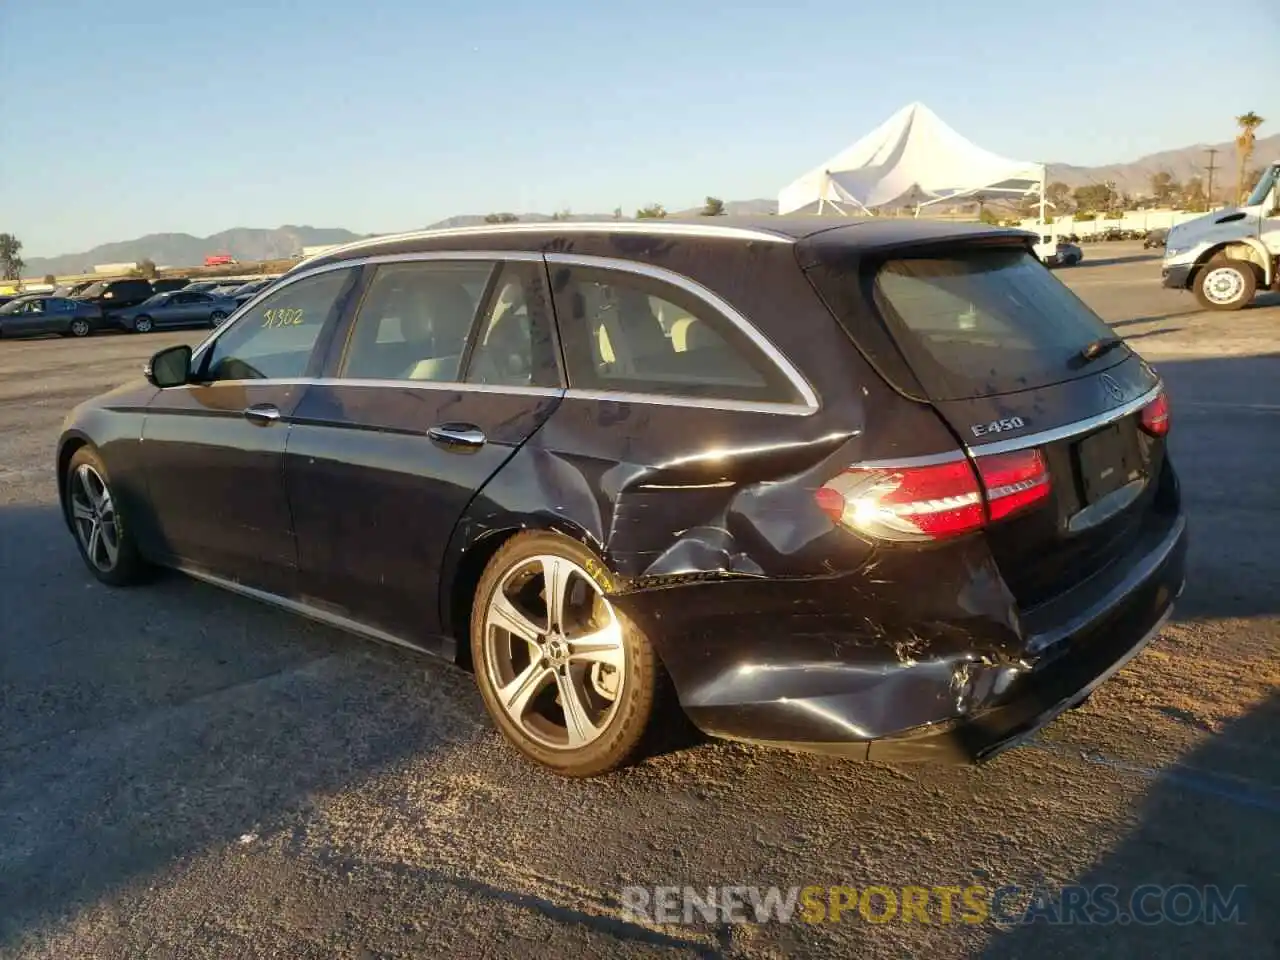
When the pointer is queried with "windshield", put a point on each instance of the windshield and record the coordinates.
(987, 322)
(1259, 195)
(156, 300)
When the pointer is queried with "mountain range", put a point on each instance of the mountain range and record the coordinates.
(249, 244)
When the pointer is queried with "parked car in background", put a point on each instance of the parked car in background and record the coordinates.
(1068, 254)
(249, 290)
(1058, 253)
(182, 308)
(202, 286)
(888, 489)
(168, 284)
(1155, 238)
(27, 316)
(73, 289)
(116, 295)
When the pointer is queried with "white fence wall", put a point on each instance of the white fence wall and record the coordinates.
(1132, 220)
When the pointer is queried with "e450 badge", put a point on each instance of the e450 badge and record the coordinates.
(998, 426)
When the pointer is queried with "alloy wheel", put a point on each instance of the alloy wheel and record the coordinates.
(93, 514)
(142, 325)
(80, 328)
(1223, 285)
(553, 652)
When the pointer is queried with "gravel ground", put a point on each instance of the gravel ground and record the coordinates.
(186, 773)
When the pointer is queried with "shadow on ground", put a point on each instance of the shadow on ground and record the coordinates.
(1096, 255)
(142, 726)
(1198, 812)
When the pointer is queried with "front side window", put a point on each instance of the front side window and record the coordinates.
(633, 334)
(415, 319)
(276, 338)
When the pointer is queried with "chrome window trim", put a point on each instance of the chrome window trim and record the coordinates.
(708, 231)
(809, 405)
(704, 403)
(713, 300)
(1067, 430)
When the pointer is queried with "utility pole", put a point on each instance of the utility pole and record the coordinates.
(1213, 151)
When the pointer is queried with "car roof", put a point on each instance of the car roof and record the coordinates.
(866, 233)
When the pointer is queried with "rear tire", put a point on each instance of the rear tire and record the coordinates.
(1225, 284)
(216, 318)
(531, 658)
(79, 328)
(142, 325)
(102, 534)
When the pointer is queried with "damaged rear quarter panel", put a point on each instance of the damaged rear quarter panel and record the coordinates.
(710, 536)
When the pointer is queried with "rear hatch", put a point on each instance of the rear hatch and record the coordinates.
(1013, 361)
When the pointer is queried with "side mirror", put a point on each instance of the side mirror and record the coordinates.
(171, 367)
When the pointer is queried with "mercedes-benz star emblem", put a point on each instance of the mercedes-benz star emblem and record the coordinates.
(1112, 386)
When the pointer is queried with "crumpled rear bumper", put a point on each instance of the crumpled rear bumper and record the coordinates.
(960, 708)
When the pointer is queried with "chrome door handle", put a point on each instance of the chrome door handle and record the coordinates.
(262, 413)
(459, 435)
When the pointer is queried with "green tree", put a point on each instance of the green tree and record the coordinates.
(50, 280)
(501, 218)
(1058, 196)
(654, 211)
(1094, 197)
(1193, 197)
(11, 262)
(1245, 139)
(617, 213)
(565, 214)
(147, 268)
(714, 207)
(985, 215)
(1164, 188)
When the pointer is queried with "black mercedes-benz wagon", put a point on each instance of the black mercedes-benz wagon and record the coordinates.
(883, 488)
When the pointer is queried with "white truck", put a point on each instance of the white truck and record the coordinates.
(1226, 256)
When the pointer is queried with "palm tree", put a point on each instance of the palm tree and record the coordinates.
(1247, 122)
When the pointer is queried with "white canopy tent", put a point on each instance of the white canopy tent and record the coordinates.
(912, 159)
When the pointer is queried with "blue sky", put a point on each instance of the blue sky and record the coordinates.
(129, 117)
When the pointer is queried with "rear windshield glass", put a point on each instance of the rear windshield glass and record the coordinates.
(987, 322)
(94, 289)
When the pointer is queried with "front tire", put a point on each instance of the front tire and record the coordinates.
(104, 538)
(216, 318)
(142, 325)
(80, 328)
(567, 678)
(1224, 284)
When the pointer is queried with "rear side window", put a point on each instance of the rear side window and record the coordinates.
(987, 322)
(632, 334)
(414, 321)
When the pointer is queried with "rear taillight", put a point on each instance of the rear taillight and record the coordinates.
(1155, 416)
(937, 501)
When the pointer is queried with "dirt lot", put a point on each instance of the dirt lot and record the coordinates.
(183, 772)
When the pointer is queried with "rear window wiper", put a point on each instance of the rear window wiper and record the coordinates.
(1098, 347)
